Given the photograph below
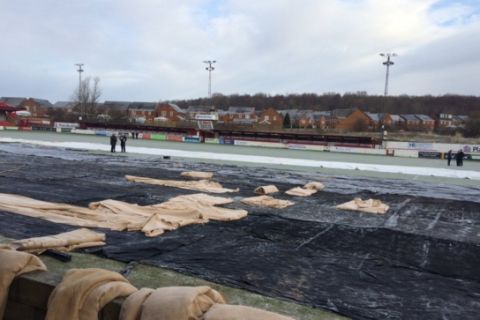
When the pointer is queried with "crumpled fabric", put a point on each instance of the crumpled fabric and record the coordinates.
(13, 264)
(369, 206)
(197, 175)
(267, 201)
(170, 303)
(66, 241)
(234, 312)
(84, 292)
(197, 185)
(307, 190)
(153, 220)
(266, 189)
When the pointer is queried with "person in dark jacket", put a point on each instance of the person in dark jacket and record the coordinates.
(113, 142)
(449, 157)
(459, 157)
(123, 142)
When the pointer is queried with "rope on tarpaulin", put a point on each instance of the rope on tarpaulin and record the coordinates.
(13, 169)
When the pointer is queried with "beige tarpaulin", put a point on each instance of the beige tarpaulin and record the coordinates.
(117, 215)
(267, 201)
(197, 185)
(369, 206)
(307, 190)
(84, 292)
(188, 209)
(231, 312)
(170, 303)
(266, 189)
(132, 306)
(13, 264)
(67, 241)
(197, 175)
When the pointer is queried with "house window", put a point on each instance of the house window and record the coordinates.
(267, 118)
(247, 116)
(274, 118)
(164, 113)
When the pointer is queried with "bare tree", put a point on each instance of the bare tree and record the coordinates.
(86, 98)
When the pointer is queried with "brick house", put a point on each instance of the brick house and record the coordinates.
(38, 108)
(426, 122)
(238, 114)
(348, 119)
(375, 120)
(142, 110)
(459, 120)
(392, 121)
(410, 122)
(270, 117)
(171, 112)
(320, 119)
(444, 120)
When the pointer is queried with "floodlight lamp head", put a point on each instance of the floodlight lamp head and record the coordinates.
(382, 54)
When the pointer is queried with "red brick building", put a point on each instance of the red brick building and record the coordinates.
(347, 120)
(238, 114)
(270, 117)
(142, 110)
(171, 112)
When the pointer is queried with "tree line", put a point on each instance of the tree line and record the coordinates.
(403, 104)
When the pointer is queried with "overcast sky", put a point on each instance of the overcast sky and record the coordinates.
(151, 50)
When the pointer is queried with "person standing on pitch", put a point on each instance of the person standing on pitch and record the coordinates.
(123, 142)
(449, 157)
(459, 157)
(113, 142)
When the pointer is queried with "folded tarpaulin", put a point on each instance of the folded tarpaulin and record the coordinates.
(66, 241)
(84, 292)
(307, 190)
(197, 185)
(266, 189)
(369, 206)
(170, 303)
(13, 264)
(153, 220)
(267, 201)
(197, 175)
(231, 312)
(188, 209)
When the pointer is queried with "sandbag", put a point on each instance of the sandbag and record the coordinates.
(13, 264)
(266, 189)
(267, 201)
(369, 206)
(231, 312)
(170, 303)
(66, 241)
(197, 175)
(132, 305)
(307, 190)
(84, 292)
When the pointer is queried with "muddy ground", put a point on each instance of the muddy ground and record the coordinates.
(419, 261)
